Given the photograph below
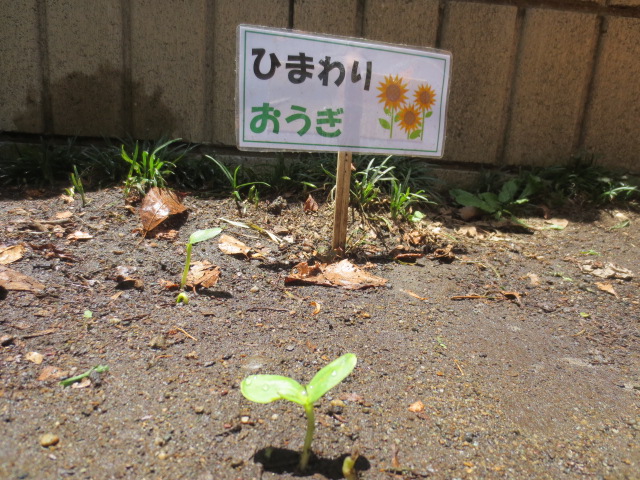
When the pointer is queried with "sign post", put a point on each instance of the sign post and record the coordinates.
(341, 213)
(303, 92)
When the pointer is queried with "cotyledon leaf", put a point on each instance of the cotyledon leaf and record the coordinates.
(269, 388)
(202, 235)
(330, 376)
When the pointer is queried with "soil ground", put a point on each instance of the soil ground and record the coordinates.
(533, 373)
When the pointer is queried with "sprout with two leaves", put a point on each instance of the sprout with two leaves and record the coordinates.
(268, 388)
(196, 237)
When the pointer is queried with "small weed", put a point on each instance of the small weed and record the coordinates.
(77, 185)
(234, 179)
(149, 168)
(269, 388)
(402, 198)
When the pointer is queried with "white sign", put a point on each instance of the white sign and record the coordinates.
(305, 92)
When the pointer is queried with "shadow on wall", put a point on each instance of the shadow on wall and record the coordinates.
(93, 105)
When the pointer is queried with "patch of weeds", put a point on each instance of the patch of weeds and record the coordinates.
(102, 165)
(150, 168)
(77, 186)
(583, 180)
(504, 204)
(198, 173)
(238, 180)
(38, 164)
(294, 176)
(401, 200)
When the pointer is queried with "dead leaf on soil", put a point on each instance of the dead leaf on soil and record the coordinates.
(34, 357)
(444, 254)
(84, 383)
(534, 279)
(158, 205)
(469, 231)
(51, 373)
(408, 257)
(169, 285)
(51, 251)
(125, 280)
(417, 237)
(607, 287)
(63, 215)
(416, 407)
(310, 205)
(203, 274)
(232, 246)
(168, 235)
(317, 307)
(12, 280)
(11, 254)
(606, 270)
(342, 274)
(78, 235)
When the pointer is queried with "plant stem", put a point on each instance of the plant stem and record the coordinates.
(311, 425)
(186, 267)
(424, 114)
(392, 118)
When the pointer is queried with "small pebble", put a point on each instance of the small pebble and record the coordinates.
(199, 409)
(163, 456)
(244, 419)
(158, 342)
(6, 340)
(49, 439)
(255, 289)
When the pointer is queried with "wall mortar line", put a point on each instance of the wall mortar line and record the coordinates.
(581, 128)
(45, 72)
(514, 67)
(208, 71)
(127, 79)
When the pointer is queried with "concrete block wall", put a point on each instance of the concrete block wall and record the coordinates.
(533, 81)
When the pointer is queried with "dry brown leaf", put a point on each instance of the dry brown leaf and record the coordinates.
(310, 205)
(78, 235)
(416, 407)
(557, 223)
(168, 235)
(444, 254)
(317, 307)
(534, 279)
(607, 287)
(203, 274)
(468, 231)
(606, 270)
(232, 246)
(125, 280)
(11, 254)
(34, 357)
(50, 372)
(415, 295)
(84, 383)
(63, 215)
(158, 205)
(342, 274)
(12, 280)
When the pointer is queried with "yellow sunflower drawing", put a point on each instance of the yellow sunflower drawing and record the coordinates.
(425, 97)
(393, 94)
(410, 121)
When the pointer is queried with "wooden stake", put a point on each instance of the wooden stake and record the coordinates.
(341, 214)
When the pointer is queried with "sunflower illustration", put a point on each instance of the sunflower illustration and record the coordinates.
(410, 120)
(393, 94)
(426, 99)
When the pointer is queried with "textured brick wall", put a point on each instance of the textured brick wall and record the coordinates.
(533, 80)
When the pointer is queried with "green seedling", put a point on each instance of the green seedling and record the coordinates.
(98, 368)
(196, 237)
(269, 388)
(233, 179)
(349, 466)
(76, 181)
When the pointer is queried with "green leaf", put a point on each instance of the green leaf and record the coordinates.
(396, 118)
(467, 199)
(384, 123)
(415, 134)
(491, 199)
(330, 376)
(269, 388)
(429, 113)
(202, 235)
(508, 191)
(387, 111)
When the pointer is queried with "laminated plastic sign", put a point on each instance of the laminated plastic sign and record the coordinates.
(303, 92)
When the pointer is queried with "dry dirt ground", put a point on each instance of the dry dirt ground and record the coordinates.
(504, 358)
